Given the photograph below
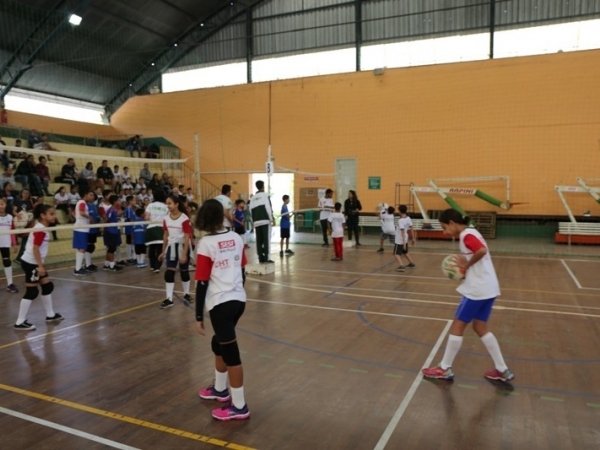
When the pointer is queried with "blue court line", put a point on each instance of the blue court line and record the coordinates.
(481, 355)
(350, 283)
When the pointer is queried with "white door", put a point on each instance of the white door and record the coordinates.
(345, 178)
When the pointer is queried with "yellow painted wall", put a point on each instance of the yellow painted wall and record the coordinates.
(59, 126)
(536, 119)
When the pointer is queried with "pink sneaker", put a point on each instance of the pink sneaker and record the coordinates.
(495, 374)
(438, 373)
(230, 412)
(210, 393)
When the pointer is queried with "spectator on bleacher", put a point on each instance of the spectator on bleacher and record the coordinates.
(105, 174)
(4, 159)
(190, 198)
(145, 174)
(34, 139)
(43, 173)
(141, 184)
(28, 171)
(61, 201)
(118, 177)
(126, 174)
(152, 152)
(45, 145)
(7, 177)
(127, 184)
(74, 197)
(23, 203)
(18, 155)
(133, 145)
(8, 193)
(155, 184)
(89, 175)
(68, 174)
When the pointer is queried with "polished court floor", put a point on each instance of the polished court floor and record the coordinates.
(332, 353)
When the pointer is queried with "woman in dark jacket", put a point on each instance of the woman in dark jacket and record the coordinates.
(352, 207)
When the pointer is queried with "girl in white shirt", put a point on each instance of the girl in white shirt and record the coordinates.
(220, 286)
(6, 242)
(175, 249)
(36, 275)
(479, 289)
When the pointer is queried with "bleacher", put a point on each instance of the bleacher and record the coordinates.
(578, 233)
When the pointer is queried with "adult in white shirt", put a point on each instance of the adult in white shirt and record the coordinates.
(326, 207)
(225, 200)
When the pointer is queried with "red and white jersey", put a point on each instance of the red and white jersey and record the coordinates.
(39, 238)
(82, 207)
(219, 260)
(481, 282)
(6, 224)
(177, 228)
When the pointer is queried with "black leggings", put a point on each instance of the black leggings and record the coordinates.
(154, 251)
(5, 252)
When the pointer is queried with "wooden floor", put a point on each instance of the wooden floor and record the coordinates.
(331, 351)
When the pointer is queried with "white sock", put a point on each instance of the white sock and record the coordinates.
(88, 259)
(142, 258)
(138, 259)
(111, 264)
(23, 310)
(129, 251)
(47, 301)
(8, 273)
(491, 344)
(118, 254)
(106, 263)
(186, 287)
(220, 381)
(170, 289)
(452, 348)
(79, 260)
(237, 397)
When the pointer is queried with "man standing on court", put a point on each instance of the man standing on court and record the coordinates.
(262, 217)
(326, 208)
(225, 200)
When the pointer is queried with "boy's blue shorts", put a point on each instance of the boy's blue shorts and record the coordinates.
(469, 310)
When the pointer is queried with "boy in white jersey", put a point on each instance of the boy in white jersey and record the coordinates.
(405, 226)
(386, 216)
(81, 235)
(220, 286)
(32, 263)
(336, 221)
(479, 289)
(326, 207)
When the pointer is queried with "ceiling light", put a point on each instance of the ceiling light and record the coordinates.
(74, 19)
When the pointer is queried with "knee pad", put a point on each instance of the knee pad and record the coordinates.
(185, 275)
(31, 292)
(91, 248)
(216, 347)
(47, 288)
(231, 354)
(6, 262)
(170, 276)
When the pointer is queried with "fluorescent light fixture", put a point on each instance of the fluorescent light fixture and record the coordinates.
(74, 19)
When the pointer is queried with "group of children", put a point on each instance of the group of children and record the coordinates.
(399, 234)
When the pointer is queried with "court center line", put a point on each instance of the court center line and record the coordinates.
(570, 272)
(389, 430)
(73, 431)
(434, 302)
(131, 420)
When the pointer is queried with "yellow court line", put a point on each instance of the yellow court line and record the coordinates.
(38, 336)
(131, 420)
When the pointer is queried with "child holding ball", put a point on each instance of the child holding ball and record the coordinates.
(479, 289)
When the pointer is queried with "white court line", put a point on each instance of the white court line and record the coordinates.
(455, 296)
(570, 272)
(575, 278)
(81, 434)
(387, 434)
(347, 310)
(434, 302)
